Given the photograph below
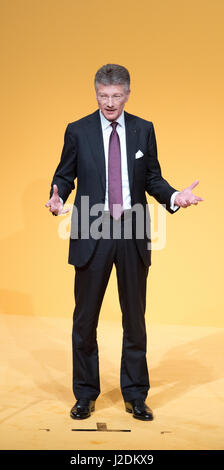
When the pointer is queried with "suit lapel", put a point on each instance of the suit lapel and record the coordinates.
(95, 138)
(131, 142)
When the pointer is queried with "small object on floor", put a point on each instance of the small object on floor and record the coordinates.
(102, 427)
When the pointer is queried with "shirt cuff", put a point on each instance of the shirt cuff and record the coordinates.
(61, 200)
(173, 207)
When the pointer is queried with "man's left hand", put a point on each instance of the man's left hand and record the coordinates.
(186, 198)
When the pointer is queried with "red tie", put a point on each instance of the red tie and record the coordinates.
(114, 174)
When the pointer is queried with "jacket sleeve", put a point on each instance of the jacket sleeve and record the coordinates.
(156, 185)
(66, 171)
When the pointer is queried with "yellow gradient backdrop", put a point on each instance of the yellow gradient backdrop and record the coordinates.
(51, 50)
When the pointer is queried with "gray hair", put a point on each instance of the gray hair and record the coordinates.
(112, 74)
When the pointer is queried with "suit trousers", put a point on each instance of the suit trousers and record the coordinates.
(90, 284)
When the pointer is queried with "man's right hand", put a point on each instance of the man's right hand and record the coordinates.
(54, 203)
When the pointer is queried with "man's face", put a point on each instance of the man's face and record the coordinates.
(111, 100)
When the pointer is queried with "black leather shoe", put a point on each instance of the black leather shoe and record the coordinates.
(82, 408)
(139, 409)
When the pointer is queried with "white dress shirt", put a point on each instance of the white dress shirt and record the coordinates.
(107, 129)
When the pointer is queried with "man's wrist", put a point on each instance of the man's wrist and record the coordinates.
(173, 206)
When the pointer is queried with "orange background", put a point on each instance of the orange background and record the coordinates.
(174, 52)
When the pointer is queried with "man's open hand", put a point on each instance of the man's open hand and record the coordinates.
(54, 203)
(186, 198)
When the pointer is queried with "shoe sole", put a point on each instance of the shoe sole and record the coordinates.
(128, 410)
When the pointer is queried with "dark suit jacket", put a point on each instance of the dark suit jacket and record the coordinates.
(83, 158)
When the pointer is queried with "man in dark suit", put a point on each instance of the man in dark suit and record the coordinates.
(113, 155)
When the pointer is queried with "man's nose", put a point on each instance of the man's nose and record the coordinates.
(110, 101)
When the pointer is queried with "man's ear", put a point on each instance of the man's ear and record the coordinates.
(128, 94)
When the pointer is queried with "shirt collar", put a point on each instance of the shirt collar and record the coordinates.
(105, 123)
